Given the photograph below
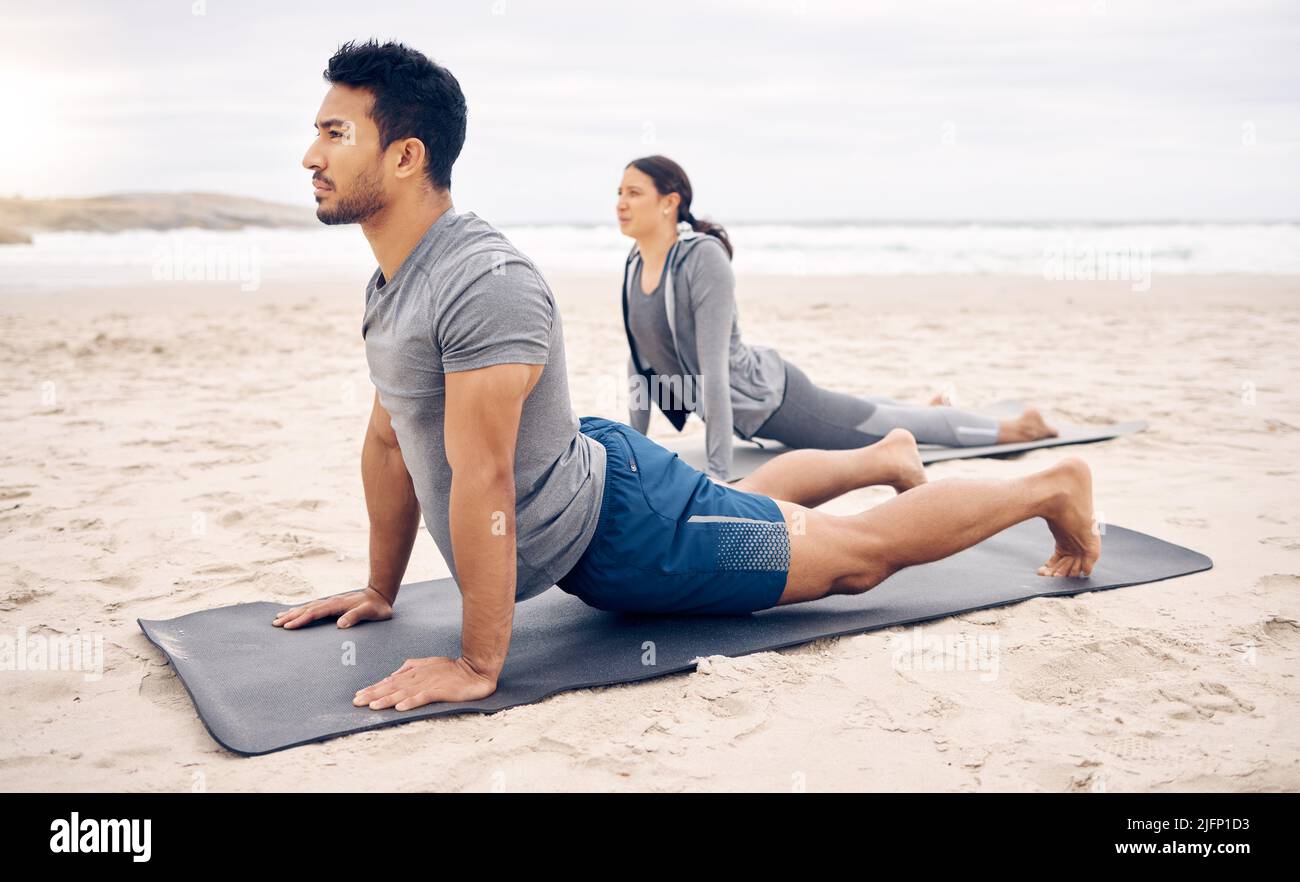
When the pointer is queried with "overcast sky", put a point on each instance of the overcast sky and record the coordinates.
(778, 109)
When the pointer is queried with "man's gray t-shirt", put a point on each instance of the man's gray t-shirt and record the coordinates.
(465, 298)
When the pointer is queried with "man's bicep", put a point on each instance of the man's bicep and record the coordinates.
(483, 409)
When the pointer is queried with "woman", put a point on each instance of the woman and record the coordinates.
(679, 311)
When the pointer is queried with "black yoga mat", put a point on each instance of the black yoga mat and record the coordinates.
(749, 455)
(259, 688)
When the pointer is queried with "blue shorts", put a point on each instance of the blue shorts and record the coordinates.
(669, 539)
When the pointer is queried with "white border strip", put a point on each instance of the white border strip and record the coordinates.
(726, 519)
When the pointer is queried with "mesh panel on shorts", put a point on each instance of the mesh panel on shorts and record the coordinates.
(753, 546)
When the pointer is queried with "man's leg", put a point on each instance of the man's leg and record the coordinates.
(811, 477)
(832, 554)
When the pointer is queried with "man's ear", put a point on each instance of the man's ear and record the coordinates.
(410, 158)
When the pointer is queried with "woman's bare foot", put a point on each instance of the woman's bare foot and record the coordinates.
(900, 451)
(1069, 515)
(1029, 426)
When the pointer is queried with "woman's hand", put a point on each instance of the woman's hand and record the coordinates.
(366, 605)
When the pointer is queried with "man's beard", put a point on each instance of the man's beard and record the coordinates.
(365, 197)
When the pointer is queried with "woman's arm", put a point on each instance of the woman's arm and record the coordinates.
(638, 400)
(713, 306)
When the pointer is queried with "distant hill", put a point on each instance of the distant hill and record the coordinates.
(19, 218)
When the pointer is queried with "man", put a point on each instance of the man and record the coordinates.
(472, 424)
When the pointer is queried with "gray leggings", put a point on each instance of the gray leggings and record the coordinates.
(810, 416)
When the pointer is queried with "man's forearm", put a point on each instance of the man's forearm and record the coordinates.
(482, 520)
(394, 514)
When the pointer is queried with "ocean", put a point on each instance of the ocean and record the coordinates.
(252, 257)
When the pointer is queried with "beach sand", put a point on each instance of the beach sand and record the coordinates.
(177, 447)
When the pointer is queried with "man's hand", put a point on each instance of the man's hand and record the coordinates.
(366, 605)
(423, 680)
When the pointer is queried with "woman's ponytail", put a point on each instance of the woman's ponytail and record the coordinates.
(709, 228)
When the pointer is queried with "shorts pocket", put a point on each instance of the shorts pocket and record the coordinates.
(667, 483)
(627, 449)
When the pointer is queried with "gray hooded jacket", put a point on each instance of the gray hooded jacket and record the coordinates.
(738, 386)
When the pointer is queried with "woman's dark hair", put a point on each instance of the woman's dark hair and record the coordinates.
(669, 177)
(414, 98)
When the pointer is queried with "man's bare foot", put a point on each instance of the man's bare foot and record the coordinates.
(1029, 426)
(1069, 515)
(899, 450)
(941, 399)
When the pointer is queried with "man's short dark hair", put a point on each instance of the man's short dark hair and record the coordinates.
(413, 98)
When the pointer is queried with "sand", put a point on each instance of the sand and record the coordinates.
(179, 447)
